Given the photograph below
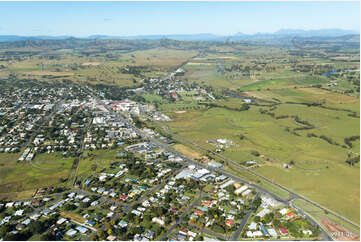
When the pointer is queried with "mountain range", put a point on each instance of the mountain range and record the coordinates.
(283, 33)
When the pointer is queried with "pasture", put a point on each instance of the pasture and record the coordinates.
(330, 181)
(21, 179)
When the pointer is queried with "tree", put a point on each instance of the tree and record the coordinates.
(257, 219)
(269, 217)
(69, 207)
(36, 227)
(255, 153)
(101, 235)
(219, 229)
(47, 236)
(4, 229)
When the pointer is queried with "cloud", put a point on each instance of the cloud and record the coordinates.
(107, 19)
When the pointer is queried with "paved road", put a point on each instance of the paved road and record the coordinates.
(244, 221)
(44, 120)
(237, 179)
(293, 195)
(208, 231)
(84, 131)
(187, 211)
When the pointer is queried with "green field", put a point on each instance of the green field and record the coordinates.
(99, 158)
(318, 215)
(21, 179)
(330, 181)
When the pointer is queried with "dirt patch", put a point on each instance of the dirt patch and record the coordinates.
(91, 64)
(340, 58)
(253, 94)
(72, 216)
(339, 232)
(48, 73)
(17, 195)
(180, 111)
(187, 151)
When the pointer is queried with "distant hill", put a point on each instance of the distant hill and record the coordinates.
(280, 34)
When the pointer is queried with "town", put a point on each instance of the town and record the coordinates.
(172, 121)
(148, 192)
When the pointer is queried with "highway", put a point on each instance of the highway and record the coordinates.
(223, 172)
(293, 195)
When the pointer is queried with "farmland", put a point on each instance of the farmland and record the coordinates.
(322, 163)
(282, 120)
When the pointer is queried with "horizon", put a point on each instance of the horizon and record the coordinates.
(83, 19)
(185, 34)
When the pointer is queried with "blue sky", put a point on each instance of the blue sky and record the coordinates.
(82, 19)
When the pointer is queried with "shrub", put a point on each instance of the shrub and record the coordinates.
(255, 153)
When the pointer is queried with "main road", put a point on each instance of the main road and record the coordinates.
(293, 195)
(166, 147)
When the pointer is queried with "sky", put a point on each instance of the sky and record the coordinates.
(81, 19)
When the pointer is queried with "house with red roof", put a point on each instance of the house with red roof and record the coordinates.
(172, 210)
(206, 203)
(174, 95)
(199, 212)
(229, 222)
(283, 230)
(183, 231)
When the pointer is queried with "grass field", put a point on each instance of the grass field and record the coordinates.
(18, 180)
(96, 69)
(187, 151)
(330, 181)
(100, 159)
(318, 215)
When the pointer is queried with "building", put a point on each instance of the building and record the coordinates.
(241, 189)
(252, 226)
(272, 232)
(71, 232)
(226, 184)
(229, 222)
(263, 212)
(215, 164)
(283, 230)
(158, 221)
(81, 229)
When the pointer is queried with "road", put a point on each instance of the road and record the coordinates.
(187, 211)
(44, 120)
(293, 195)
(237, 179)
(208, 231)
(223, 172)
(84, 131)
(243, 223)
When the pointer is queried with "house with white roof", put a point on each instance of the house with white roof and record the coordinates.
(263, 212)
